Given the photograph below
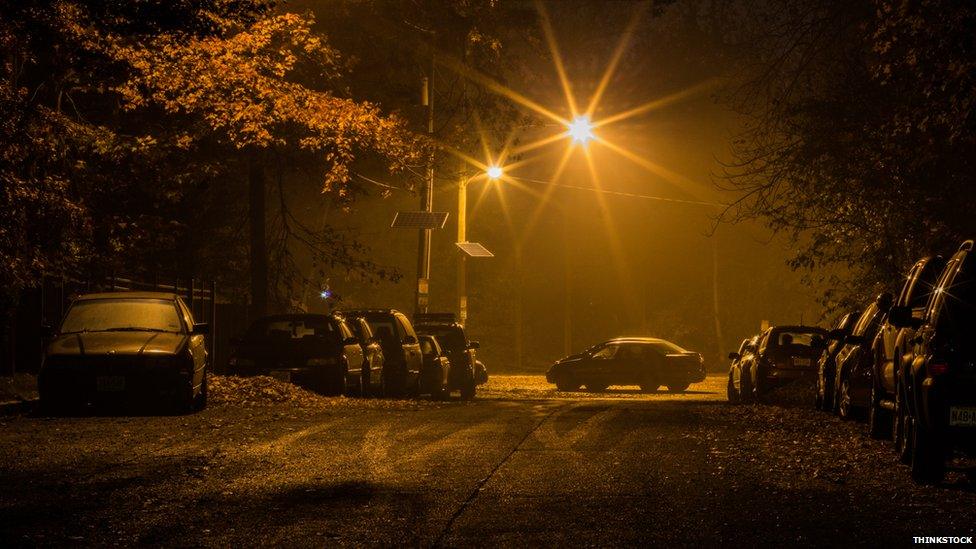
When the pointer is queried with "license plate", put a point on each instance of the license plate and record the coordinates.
(110, 383)
(965, 417)
(797, 361)
(282, 376)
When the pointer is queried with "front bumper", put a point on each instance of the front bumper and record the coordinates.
(113, 380)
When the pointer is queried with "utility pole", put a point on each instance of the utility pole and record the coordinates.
(462, 236)
(426, 199)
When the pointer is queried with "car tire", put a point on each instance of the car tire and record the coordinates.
(845, 409)
(903, 431)
(567, 384)
(356, 389)
(333, 382)
(928, 455)
(818, 395)
(730, 391)
(468, 390)
(678, 388)
(746, 393)
(201, 400)
(827, 402)
(366, 382)
(879, 419)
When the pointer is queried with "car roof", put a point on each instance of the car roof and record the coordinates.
(289, 316)
(796, 329)
(365, 312)
(638, 340)
(169, 296)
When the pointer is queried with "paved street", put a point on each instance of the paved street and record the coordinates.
(522, 465)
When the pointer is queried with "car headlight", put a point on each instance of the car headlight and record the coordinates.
(321, 362)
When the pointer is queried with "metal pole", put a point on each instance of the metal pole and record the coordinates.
(568, 301)
(462, 228)
(426, 200)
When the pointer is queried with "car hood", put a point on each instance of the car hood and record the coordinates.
(123, 343)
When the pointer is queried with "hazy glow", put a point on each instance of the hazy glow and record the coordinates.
(494, 172)
(581, 129)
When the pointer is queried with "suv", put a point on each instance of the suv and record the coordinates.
(939, 382)
(887, 413)
(401, 350)
(437, 368)
(466, 372)
(853, 364)
(784, 354)
(372, 355)
(746, 348)
(827, 364)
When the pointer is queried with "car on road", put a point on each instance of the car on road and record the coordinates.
(784, 354)
(436, 371)
(853, 365)
(466, 371)
(888, 410)
(644, 361)
(402, 360)
(746, 348)
(126, 348)
(940, 379)
(827, 364)
(315, 351)
(372, 355)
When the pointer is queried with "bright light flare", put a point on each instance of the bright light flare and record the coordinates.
(581, 130)
(494, 172)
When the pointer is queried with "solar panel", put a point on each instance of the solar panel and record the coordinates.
(419, 220)
(474, 249)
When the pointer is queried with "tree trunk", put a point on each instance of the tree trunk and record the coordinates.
(258, 239)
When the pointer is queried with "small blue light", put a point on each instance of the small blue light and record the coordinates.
(326, 294)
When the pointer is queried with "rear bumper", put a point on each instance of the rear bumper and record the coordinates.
(112, 385)
(781, 376)
(938, 396)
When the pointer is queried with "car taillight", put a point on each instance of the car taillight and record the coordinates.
(938, 367)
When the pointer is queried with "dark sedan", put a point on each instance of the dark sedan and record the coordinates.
(125, 348)
(319, 352)
(647, 362)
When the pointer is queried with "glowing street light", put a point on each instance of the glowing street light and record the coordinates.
(581, 129)
(494, 172)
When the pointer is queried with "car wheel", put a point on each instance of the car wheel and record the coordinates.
(596, 387)
(201, 400)
(567, 384)
(367, 381)
(468, 390)
(730, 391)
(333, 382)
(356, 389)
(746, 394)
(928, 455)
(827, 401)
(879, 419)
(903, 431)
(679, 388)
(818, 394)
(844, 409)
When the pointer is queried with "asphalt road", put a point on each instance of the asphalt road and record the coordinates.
(522, 465)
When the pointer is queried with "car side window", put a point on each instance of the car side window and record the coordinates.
(938, 296)
(344, 330)
(906, 290)
(404, 327)
(426, 347)
(606, 353)
(364, 330)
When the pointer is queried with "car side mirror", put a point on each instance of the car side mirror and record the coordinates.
(734, 356)
(409, 340)
(836, 334)
(350, 341)
(474, 345)
(884, 302)
(201, 328)
(901, 317)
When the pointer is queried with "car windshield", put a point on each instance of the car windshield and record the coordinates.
(294, 328)
(121, 315)
(449, 337)
(793, 337)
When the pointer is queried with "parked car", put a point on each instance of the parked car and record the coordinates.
(126, 347)
(315, 351)
(784, 354)
(401, 349)
(466, 371)
(436, 369)
(888, 414)
(940, 378)
(827, 364)
(647, 362)
(854, 363)
(372, 355)
(746, 348)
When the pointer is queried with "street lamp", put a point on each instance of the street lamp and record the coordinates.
(472, 249)
(494, 172)
(581, 129)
